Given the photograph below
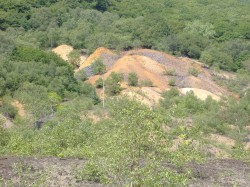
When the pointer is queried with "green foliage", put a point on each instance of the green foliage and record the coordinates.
(170, 72)
(132, 79)
(99, 83)
(192, 45)
(88, 90)
(7, 109)
(129, 146)
(74, 58)
(112, 84)
(81, 75)
(228, 56)
(237, 113)
(114, 24)
(193, 71)
(130, 152)
(38, 67)
(7, 44)
(27, 54)
(4, 137)
(171, 82)
(91, 172)
(98, 67)
(183, 105)
(198, 28)
(146, 83)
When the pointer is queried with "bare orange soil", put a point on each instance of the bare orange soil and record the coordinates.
(97, 54)
(144, 67)
(150, 65)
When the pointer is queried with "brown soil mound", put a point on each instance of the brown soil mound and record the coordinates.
(153, 65)
(63, 51)
(97, 54)
(145, 68)
(169, 61)
(182, 66)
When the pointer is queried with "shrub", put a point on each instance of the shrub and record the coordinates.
(99, 83)
(5, 136)
(147, 83)
(113, 86)
(74, 58)
(132, 79)
(8, 110)
(171, 82)
(91, 172)
(81, 75)
(170, 72)
(193, 71)
(98, 67)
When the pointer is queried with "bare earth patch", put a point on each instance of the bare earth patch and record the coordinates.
(63, 51)
(222, 140)
(6, 122)
(217, 152)
(20, 108)
(147, 95)
(97, 54)
(56, 172)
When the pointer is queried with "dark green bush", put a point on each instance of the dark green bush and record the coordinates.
(4, 136)
(112, 83)
(99, 83)
(98, 67)
(171, 82)
(132, 79)
(8, 110)
(81, 75)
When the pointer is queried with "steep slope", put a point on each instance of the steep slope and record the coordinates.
(155, 66)
(99, 53)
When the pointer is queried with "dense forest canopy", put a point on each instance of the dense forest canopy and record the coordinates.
(217, 32)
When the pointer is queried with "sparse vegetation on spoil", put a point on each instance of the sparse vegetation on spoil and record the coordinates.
(132, 79)
(124, 93)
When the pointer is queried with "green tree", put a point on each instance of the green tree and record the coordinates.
(113, 86)
(98, 67)
(74, 58)
(198, 28)
(99, 83)
(132, 79)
